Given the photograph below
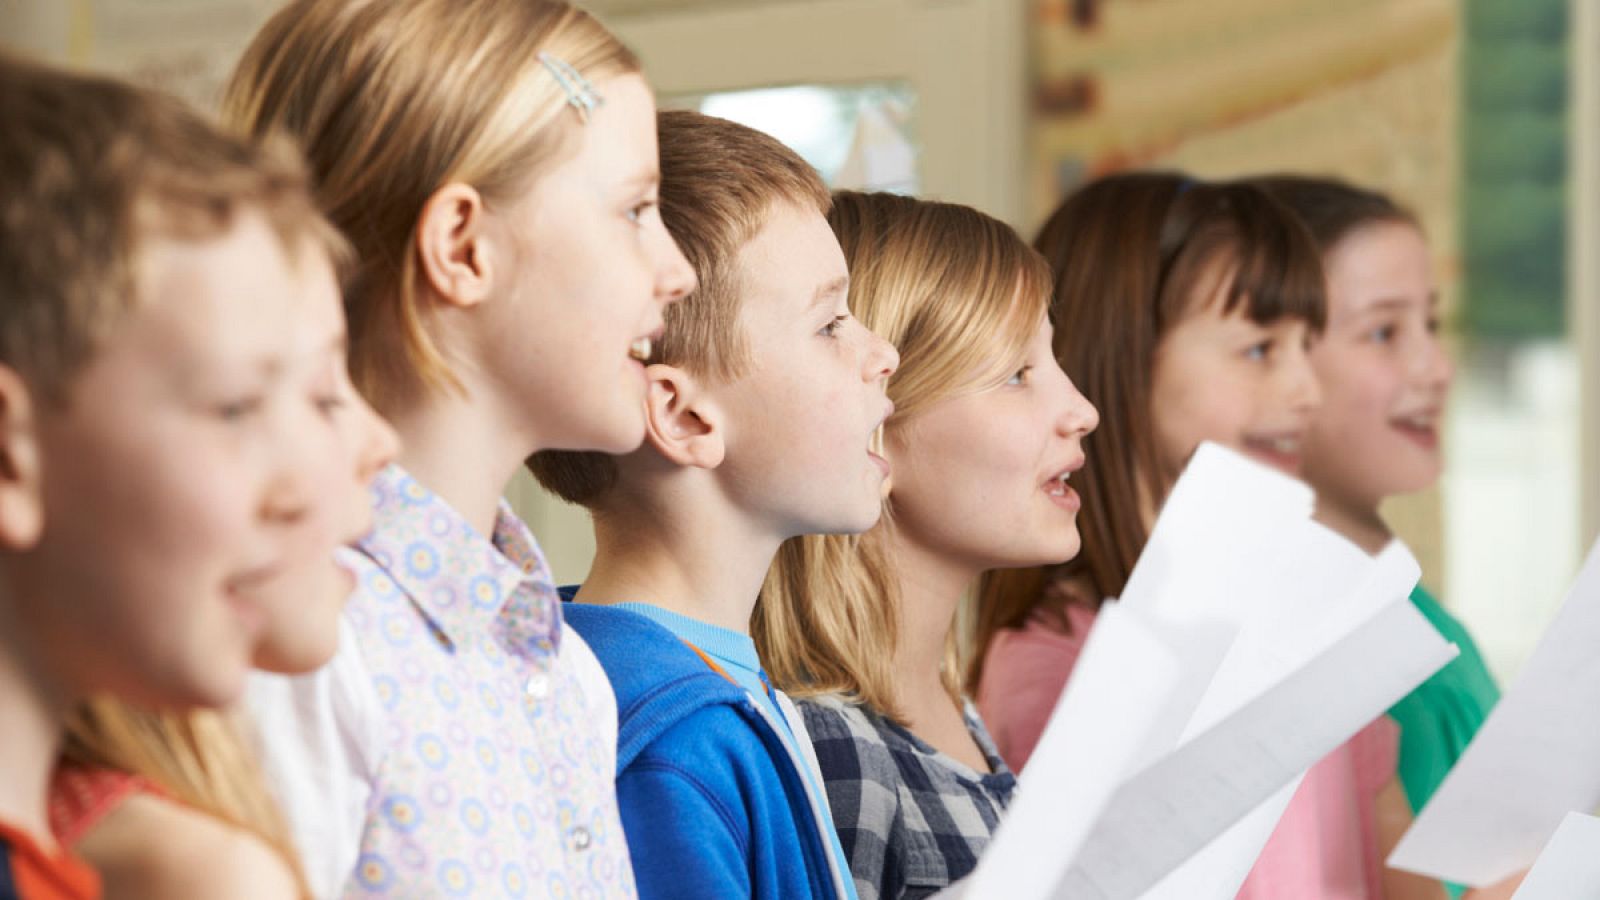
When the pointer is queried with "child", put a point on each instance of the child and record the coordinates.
(1385, 378)
(174, 469)
(494, 164)
(986, 430)
(1185, 311)
(171, 803)
(764, 396)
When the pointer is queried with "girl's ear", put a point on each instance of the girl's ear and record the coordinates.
(681, 422)
(451, 245)
(21, 475)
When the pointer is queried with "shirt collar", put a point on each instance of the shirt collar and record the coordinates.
(461, 582)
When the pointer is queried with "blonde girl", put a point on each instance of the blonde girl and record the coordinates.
(494, 164)
(986, 429)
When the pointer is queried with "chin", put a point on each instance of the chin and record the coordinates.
(622, 434)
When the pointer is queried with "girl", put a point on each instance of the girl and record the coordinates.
(1185, 310)
(494, 163)
(1385, 379)
(985, 430)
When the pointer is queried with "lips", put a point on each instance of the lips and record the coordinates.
(1421, 428)
(1057, 489)
(1281, 450)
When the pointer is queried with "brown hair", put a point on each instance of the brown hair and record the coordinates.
(719, 183)
(91, 169)
(1330, 208)
(394, 99)
(1131, 254)
(960, 295)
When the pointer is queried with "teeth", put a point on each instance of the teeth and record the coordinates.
(1418, 421)
(1057, 486)
(640, 349)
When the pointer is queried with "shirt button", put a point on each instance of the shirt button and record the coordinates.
(579, 839)
(539, 687)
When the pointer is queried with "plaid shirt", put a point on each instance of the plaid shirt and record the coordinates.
(912, 820)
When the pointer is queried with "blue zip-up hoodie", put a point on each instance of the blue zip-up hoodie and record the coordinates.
(714, 799)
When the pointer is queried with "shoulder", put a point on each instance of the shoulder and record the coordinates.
(851, 741)
(577, 658)
(150, 847)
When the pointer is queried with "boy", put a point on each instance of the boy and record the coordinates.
(763, 399)
(152, 495)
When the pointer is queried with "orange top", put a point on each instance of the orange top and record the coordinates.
(81, 796)
(30, 872)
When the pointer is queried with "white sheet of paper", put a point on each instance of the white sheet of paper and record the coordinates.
(1121, 681)
(1264, 614)
(1536, 758)
(1164, 815)
(1570, 864)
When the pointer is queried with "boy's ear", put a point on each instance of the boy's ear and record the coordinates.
(451, 245)
(21, 479)
(681, 423)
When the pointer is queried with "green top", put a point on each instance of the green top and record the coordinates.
(1439, 718)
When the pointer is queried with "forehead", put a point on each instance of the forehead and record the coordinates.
(1388, 260)
(618, 142)
(781, 270)
(231, 298)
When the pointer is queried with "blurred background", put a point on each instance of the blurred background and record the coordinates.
(1481, 115)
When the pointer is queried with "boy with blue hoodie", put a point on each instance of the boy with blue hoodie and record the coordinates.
(762, 401)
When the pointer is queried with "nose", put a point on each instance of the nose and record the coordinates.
(1301, 388)
(1433, 365)
(881, 359)
(288, 499)
(675, 278)
(379, 442)
(1078, 415)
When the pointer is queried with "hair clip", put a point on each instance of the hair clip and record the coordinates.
(581, 95)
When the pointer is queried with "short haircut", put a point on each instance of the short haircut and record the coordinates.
(720, 182)
(91, 169)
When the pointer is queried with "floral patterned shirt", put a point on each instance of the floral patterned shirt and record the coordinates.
(463, 742)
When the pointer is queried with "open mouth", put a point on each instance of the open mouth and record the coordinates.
(641, 348)
(1282, 451)
(1420, 428)
(1056, 487)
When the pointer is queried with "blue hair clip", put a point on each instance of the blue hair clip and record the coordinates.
(581, 95)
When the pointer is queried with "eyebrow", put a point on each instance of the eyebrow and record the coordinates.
(1392, 304)
(642, 179)
(829, 290)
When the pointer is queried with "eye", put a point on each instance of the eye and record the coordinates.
(1383, 334)
(1020, 376)
(1258, 351)
(832, 328)
(637, 212)
(1434, 325)
(240, 409)
(329, 404)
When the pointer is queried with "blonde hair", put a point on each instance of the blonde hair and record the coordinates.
(91, 169)
(196, 757)
(960, 295)
(394, 99)
(719, 183)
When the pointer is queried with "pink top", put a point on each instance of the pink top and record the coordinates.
(1326, 844)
